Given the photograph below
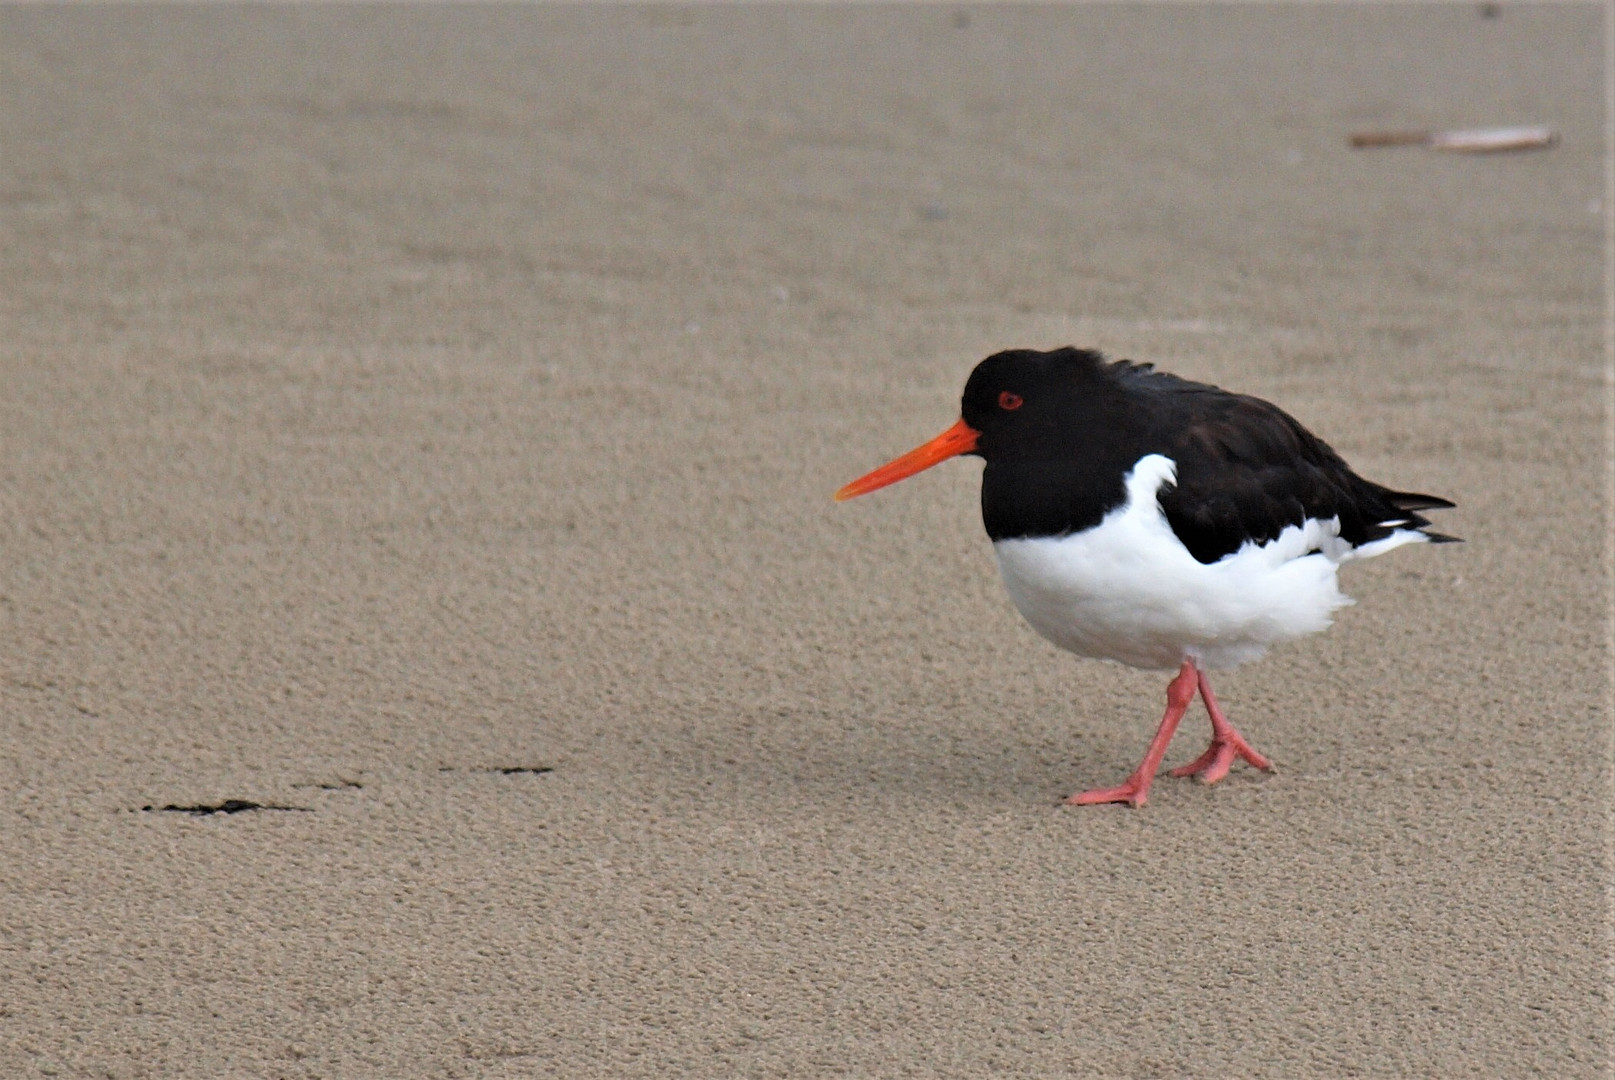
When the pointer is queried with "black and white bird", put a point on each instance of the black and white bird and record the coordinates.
(1161, 523)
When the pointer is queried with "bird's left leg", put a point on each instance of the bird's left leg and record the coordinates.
(1226, 743)
(1136, 790)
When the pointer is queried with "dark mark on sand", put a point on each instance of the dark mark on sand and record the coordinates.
(342, 784)
(504, 770)
(228, 806)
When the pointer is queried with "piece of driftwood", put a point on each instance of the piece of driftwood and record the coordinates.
(1470, 141)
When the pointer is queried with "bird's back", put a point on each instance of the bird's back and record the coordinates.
(1246, 470)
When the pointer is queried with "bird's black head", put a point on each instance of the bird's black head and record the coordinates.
(1019, 406)
(1028, 405)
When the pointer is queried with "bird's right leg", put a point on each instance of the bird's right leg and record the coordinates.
(1136, 791)
(1226, 743)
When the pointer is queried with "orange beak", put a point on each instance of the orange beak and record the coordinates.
(958, 439)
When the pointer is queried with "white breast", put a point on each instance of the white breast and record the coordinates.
(1128, 590)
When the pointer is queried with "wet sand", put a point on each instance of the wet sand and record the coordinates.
(397, 397)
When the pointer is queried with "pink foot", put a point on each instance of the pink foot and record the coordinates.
(1136, 791)
(1219, 757)
(1226, 745)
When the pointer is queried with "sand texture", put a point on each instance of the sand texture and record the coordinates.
(421, 422)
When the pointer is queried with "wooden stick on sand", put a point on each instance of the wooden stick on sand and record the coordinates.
(1472, 141)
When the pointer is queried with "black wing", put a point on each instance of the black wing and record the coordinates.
(1247, 470)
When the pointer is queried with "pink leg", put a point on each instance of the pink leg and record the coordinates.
(1226, 744)
(1136, 791)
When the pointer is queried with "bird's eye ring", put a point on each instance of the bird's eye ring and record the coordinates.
(1008, 400)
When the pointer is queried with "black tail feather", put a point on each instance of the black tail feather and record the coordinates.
(1408, 500)
(1410, 503)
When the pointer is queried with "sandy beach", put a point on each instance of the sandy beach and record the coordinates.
(419, 423)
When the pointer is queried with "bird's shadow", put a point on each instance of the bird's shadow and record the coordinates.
(801, 756)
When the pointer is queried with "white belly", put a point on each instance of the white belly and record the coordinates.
(1128, 590)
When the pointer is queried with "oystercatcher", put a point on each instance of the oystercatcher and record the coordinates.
(1161, 523)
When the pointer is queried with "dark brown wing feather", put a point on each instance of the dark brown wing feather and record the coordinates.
(1247, 470)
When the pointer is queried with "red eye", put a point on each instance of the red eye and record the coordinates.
(1007, 400)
